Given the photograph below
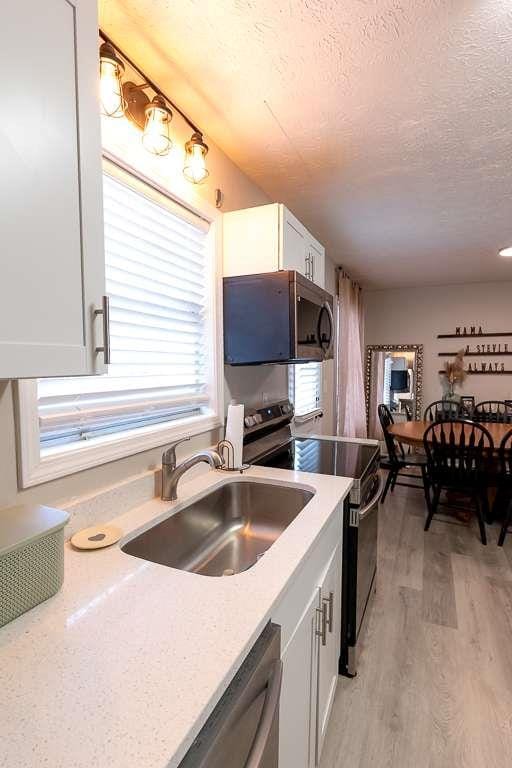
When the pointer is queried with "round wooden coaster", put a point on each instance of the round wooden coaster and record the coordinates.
(96, 537)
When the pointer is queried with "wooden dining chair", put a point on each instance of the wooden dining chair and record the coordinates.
(458, 453)
(397, 463)
(494, 411)
(442, 410)
(504, 494)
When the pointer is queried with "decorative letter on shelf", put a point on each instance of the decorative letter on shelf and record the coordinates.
(491, 349)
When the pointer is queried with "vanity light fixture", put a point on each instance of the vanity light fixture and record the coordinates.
(152, 116)
(111, 88)
(506, 252)
(195, 169)
(156, 137)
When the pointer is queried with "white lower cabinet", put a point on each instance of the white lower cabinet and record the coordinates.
(300, 669)
(310, 618)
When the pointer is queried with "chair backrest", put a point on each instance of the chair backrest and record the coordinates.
(458, 452)
(386, 420)
(497, 411)
(506, 459)
(442, 410)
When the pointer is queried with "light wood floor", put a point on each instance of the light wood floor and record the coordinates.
(434, 688)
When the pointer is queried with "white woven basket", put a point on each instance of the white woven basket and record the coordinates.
(31, 558)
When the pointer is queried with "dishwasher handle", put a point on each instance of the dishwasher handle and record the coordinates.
(268, 715)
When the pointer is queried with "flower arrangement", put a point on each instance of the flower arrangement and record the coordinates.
(454, 373)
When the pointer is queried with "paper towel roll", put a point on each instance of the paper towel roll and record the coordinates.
(235, 432)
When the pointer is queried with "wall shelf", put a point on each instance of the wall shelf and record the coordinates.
(472, 335)
(475, 354)
(486, 373)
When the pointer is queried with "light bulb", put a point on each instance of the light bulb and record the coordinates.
(195, 169)
(111, 89)
(156, 130)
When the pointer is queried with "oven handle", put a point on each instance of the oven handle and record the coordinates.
(374, 500)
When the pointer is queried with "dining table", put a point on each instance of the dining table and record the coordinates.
(411, 432)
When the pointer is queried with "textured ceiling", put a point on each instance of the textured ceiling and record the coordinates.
(385, 125)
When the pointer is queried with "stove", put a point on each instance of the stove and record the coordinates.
(268, 441)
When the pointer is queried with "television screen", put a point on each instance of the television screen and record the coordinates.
(399, 381)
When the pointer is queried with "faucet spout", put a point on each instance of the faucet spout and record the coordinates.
(172, 474)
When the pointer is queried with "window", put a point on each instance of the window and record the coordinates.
(305, 384)
(163, 378)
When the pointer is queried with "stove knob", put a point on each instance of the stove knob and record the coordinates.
(249, 421)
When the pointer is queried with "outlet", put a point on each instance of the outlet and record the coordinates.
(265, 398)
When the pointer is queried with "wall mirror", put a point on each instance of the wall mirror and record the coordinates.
(394, 376)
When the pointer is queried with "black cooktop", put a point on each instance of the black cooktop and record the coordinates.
(327, 457)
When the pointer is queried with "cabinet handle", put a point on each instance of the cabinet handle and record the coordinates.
(329, 601)
(105, 311)
(308, 266)
(322, 632)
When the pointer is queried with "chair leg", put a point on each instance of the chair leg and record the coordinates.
(395, 478)
(479, 513)
(486, 511)
(426, 486)
(433, 507)
(507, 519)
(386, 487)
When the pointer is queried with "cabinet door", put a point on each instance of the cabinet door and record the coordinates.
(51, 233)
(294, 250)
(328, 656)
(297, 719)
(251, 240)
(316, 259)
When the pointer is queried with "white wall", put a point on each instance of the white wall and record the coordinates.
(418, 315)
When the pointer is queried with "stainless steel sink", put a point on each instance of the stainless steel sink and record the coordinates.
(224, 532)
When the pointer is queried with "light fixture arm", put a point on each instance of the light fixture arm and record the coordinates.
(147, 83)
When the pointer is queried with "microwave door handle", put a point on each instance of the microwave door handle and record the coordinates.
(326, 307)
(331, 319)
(268, 716)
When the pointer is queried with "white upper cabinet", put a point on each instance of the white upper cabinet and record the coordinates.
(51, 231)
(268, 238)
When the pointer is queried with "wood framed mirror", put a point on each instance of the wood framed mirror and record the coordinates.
(394, 376)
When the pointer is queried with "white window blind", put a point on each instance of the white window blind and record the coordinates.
(305, 387)
(157, 277)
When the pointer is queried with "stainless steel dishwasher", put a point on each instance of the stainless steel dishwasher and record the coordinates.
(243, 729)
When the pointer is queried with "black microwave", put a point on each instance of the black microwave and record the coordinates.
(276, 317)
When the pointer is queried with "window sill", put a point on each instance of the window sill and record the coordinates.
(40, 467)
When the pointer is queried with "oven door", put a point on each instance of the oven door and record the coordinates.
(367, 534)
(359, 575)
(314, 322)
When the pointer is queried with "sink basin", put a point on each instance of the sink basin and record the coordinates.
(224, 532)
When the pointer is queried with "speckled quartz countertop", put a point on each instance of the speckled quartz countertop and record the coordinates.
(124, 665)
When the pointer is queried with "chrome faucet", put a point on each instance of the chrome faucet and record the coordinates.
(171, 472)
